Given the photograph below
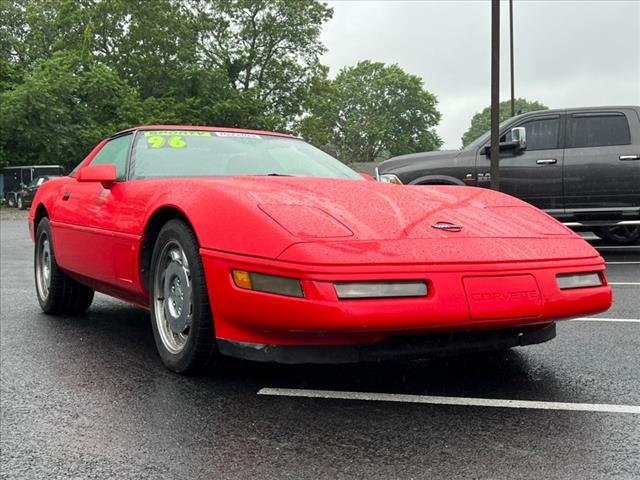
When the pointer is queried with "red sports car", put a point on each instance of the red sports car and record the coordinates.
(257, 245)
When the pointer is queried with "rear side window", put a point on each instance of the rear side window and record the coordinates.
(589, 130)
(542, 134)
(115, 152)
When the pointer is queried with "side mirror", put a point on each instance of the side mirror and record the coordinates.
(105, 174)
(366, 176)
(519, 137)
(517, 144)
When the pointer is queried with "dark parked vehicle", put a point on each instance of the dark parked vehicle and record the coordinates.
(15, 179)
(582, 166)
(25, 196)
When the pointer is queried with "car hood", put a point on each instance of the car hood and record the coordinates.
(268, 216)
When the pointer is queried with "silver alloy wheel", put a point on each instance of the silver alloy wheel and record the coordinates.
(173, 297)
(20, 203)
(43, 266)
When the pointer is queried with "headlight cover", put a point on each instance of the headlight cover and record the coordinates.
(390, 289)
(389, 178)
(260, 282)
(579, 280)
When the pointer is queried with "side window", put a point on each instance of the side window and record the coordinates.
(115, 152)
(593, 130)
(542, 134)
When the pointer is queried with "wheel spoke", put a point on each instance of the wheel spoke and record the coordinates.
(43, 266)
(173, 293)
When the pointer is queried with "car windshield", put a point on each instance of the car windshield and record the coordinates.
(190, 153)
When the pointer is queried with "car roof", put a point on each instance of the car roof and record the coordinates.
(581, 109)
(201, 128)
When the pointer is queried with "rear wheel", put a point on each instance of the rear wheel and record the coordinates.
(620, 235)
(57, 292)
(179, 302)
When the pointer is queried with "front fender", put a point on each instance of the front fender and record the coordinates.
(45, 196)
(220, 219)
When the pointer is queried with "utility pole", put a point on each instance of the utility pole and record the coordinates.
(513, 96)
(495, 94)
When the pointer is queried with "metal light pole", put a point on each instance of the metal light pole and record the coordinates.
(495, 94)
(513, 96)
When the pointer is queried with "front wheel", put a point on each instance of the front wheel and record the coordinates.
(620, 235)
(20, 203)
(179, 302)
(57, 292)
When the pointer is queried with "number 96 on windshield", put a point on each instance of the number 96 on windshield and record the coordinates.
(162, 139)
(158, 141)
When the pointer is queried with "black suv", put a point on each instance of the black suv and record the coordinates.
(580, 165)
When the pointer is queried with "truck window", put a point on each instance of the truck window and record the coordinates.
(597, 130)
(542, 134)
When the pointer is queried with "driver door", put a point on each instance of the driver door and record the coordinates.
(534, 174)
(85, 217)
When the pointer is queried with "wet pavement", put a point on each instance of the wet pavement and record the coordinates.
(87, 397)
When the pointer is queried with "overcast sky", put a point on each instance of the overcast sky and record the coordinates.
(567, 53)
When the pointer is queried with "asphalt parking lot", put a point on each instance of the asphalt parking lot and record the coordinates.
(87, 397)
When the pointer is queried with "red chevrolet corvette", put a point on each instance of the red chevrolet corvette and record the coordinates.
(257, 245)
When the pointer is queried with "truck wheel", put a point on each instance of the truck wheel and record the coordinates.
(11, 200)
(179, 303)
(57, 292)
(622, 235)
(20, 203)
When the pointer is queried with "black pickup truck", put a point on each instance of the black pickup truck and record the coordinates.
(582, 166)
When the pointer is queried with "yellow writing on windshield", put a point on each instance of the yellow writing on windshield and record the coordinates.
(180, 133)
(158, 141)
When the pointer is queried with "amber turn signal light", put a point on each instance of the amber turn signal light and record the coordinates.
(242, 279)
(259, 282)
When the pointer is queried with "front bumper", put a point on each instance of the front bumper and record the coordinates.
(395, 347)
(321, 319)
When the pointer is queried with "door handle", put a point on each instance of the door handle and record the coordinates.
(629, 157)
(546, 161)
(66, 196)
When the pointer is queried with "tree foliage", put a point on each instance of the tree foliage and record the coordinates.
(371, 111)
(74, 71)
(267, 46)
(62, 109)
(481, 121)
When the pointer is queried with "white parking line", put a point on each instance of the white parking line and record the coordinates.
(600, 319)
(462, 401)
(624, 283)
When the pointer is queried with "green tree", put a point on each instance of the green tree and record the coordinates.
(371, 111)
(62, 109)
(269, 48)
(481, 121)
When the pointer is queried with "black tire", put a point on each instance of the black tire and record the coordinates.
(63, 295)
(189, 347)
(11, 201)
(622, 235)
(20, 203)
